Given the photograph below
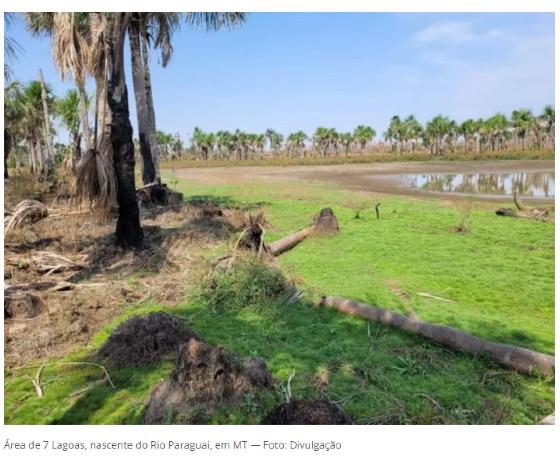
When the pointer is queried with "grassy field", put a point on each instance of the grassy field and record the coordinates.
(499, 277)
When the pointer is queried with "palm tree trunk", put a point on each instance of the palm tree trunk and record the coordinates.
(151, 111)
(84, 119)
(31, 153)
(47, 129)
(7, 149)
(129, 232)
(144, 126)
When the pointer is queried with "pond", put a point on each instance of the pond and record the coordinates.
(536, 184)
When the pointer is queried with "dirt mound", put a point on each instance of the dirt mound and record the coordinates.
(144, 339)
(23, 306)
(307, 412)
(204, 376)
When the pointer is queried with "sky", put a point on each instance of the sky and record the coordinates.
(298, 71)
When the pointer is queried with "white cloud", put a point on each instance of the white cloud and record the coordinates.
(524, 78)
(453, 32)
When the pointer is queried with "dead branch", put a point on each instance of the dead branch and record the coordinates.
(27, 211)
(431, 296)
(518, 203)
(37, 380)
(517, 358)
(524, 212)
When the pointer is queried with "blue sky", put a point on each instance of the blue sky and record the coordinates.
(299, 71)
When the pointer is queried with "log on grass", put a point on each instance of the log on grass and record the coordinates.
(324, 223)
(289, 242)
(517, 358)
(524, 212)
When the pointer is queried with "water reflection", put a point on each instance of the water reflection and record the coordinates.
(538, 184)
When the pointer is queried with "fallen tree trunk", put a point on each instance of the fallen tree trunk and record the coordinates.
(517, 358)
(325, 222)
(524, 212)
(289, 242)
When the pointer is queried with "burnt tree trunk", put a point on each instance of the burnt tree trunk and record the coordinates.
(129, 232)
(7, 149)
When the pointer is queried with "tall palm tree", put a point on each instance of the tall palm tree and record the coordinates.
(296, 141)
(346, 139)
(521, 120)
(275, 140)
(467, 129)
(548, 120)
(159, 28)
(47, 127)
(363, 134)
(411, 131)
(70, 33)
(68, 109)
(439, 130)
(14, 113)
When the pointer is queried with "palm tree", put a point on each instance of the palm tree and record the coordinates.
(70, 33)
(47, 127)
(346, 139)
(14, 113)
(363, 134)
(467, 129)
(439, 130)
(411, 131)
(497, 128)
(547, 118)
(325, 138)
(394, 133)
(159, 28)
(521, 120)
(296, 141)
(203, 142)
(68, 109)
(275, 140)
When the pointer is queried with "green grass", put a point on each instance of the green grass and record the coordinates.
(500, 277)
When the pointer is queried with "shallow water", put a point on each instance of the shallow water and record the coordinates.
(536, 184)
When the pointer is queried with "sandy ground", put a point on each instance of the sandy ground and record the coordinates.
(379, 177)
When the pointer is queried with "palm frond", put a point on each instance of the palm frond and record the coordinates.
(96, 184)
(68, 47)
(215, 21)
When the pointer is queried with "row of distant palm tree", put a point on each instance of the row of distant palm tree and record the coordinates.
(440, 135)
(522, 131)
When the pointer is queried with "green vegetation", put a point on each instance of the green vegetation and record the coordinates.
(500, 277)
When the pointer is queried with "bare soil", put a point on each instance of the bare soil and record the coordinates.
(376, 177)
(68, 304)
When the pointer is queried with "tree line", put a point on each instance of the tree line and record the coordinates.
(438, 136)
